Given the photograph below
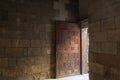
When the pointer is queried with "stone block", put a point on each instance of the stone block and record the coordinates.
(2, 52)
(59, 5)
(20, 43)
(109, 48)
(34, 51)
(3, 62)
(29, 35)
(94, 27)
(108, 24)
(38, 60)
(92, 56)
(95, 47)
(98, 36)
(12, 62)
(108, 60)
(25, 51)
(36, 43)
(97, 68)
(43, 76)
(26, 61)
(113, 35)
(4, 43)
(115, 73)
(12, 34)
(42, 35)
(14, 52)
(3, 78)
(41, 27)
(49, 28)
(25, 77)
(48, 36)
(117, 22)
(65, 1)
(21, 62)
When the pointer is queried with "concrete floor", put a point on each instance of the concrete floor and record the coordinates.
(77, 77)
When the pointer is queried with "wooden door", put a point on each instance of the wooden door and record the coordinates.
(67, 49)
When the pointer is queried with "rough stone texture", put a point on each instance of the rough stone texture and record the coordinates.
(104, 33)
(27, 39)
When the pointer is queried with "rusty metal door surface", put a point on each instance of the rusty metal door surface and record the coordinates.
(67, 49)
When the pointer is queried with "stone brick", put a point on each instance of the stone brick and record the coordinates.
(20, 43)
(99, 37)
(115, 73)
(97, 68)
(91, 76)
(65, 1)
(14, 52)
(94, 27)
(97, 77)
(109, 48)
(3, 62)
(2, 52)
(48, 36)
(49, 28)
(44, 65)
(63, 14)
(42, 37)
(36, 43)
(108, 24)
(25, 51)
(113, 35)
(117, 22)
(43, 76)
(24, 43)
(34, 51)
(21, 62)
(118, 48)
(12, 35)
(27, 77)
(42, 27)
(107, 59)
(92, 57)
(3, 78)
(26, 61)
(116, 33)
(38, 61)
(44, 51)
(27, 35)
(95, 47)
(59, 5)
(111, 2)
(4, 43)
(12, 62)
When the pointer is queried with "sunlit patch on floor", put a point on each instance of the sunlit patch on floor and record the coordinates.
(77, 77)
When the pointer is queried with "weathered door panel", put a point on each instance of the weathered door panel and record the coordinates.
(67, 49)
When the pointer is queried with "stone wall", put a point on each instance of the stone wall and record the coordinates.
(104, 31)
(27, 41)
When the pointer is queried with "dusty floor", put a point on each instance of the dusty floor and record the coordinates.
(77, 77)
